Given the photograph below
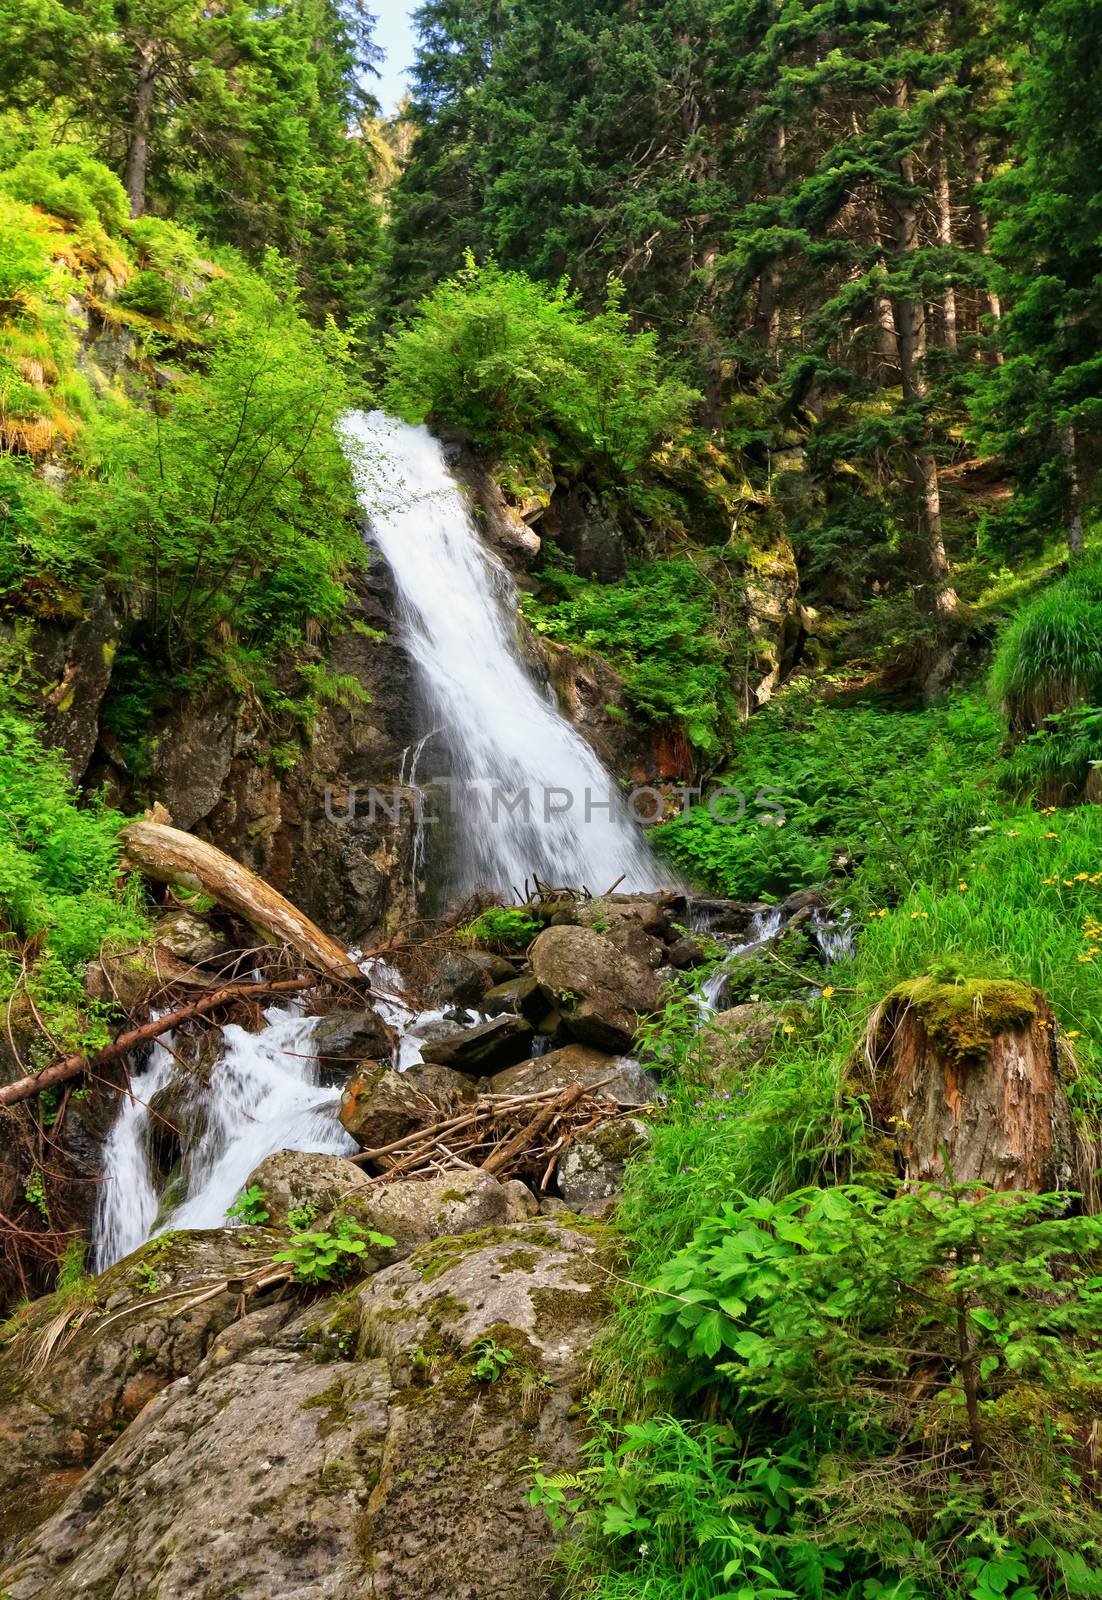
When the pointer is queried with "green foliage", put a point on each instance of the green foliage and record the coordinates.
(806, 1320)
(251, 1206)
(62, 893)
(505, 928)
(884, 796)
(667, 627)
(489, 1361)
(322, 1255)
(516, 363)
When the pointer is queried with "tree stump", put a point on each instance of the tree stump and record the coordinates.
(966, 1075)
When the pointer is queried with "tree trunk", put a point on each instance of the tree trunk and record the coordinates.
(910, 327)
(973, 160)
(137, 156)
(967, 1082)
(1069, 449)
(944, 215)
(168, 855)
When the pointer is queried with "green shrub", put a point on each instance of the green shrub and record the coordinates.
(329, 1253)
(149, 294)
(61, 886)
(514, 361)
(661, 628)
(68, 182)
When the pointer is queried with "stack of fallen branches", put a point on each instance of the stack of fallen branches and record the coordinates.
(508, 1135)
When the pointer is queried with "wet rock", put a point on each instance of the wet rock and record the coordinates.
(497, 968)
(416, 1210)
(299, 1180)
(601, 992)
(380, 1105)
(493, 1044)
(687, 952)
(191, 753)
(622, 1079)
(591, 1173)
(72, 666)
(343, 1037)
(585, 528)
(458, 979)
(517, 996)
(126, 1346)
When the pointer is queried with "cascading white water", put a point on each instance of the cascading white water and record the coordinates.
(505, 736)
(263, 1095)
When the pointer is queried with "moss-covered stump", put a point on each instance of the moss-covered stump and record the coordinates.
(966, 1076)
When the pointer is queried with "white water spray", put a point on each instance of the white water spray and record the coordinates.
(504, 734)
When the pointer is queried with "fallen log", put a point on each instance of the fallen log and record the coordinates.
(34, 1083)
(169, 855)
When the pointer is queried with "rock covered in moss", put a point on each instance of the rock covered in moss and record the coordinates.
(305, 1181)
(357, 1452)
(740, 1036)
(415, 1210)
(81, 1365)
(601, 992)
(591, 1173)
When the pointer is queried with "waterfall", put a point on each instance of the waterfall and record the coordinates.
(530, 796)
(263, 1095)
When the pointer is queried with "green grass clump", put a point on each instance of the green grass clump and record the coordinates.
(1050, 655)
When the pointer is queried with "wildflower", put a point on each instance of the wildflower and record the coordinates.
(828, 991)
(788, 1028)
(1080, 877)
(1052, 835)
(962, 885)
(1072, 1033)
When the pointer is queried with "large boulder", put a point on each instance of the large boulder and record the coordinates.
(521, 997)
(303, 1180)
(458, 978)
(497, 1043)
(601, 991)
(358, 1453)
(380, 1105)
(188, 937)
(344, 1037)
(619, 1077)
(738, 1038)
(81, 1365)
(415, 1210)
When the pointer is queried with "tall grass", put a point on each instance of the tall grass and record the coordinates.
(1050, 655)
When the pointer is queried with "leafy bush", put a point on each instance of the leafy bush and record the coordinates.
(661, 627)
(68, 182)
(876, 1370)
(502, 928)
(62, 893)
(514, 360)
(149, 294)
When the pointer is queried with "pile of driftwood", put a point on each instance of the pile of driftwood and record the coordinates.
(508, 1135)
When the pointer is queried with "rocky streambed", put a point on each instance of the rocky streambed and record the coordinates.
(198, 1421)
